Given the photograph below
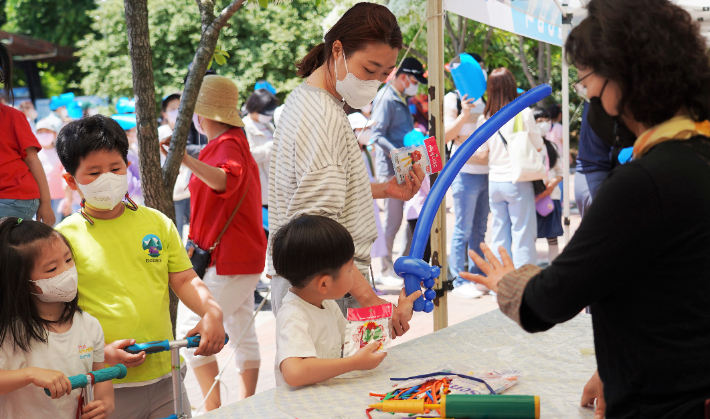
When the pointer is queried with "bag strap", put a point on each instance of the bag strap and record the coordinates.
(246, 190)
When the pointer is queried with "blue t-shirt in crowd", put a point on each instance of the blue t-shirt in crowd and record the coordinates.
(594, 154)
(392, 122)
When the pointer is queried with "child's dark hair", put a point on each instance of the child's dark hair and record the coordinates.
(92, 133)
(20, 245)
(261, 101)
(540, 113)
(309, 246)
(6, 74)
(554, 111)
(552, 153)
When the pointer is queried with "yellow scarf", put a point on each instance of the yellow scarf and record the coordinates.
(678, 128)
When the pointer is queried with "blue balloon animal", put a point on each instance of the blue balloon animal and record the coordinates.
(412, 268)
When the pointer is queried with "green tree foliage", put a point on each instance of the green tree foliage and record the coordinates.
(62, 22)
(262, 43)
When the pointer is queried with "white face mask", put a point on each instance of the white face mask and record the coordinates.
(45, 138)
(196, 121)
(106, 191)
(60, 288)
(544, 127)
(412, 89)
(172, 116)
(357, 93)
(264, 119)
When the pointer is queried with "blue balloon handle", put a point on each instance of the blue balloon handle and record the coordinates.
(412, 268)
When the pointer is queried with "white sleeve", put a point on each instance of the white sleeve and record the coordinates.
(293, 339)
(97, 337)
(558, 171)
(532, 129)
(482, 151)
(11, 357)
(451, 110)
(342, 323)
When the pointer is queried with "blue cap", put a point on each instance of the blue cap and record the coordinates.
(62, 100)
(414, 137)
(74, 110)
(126, 121)
(263, 84)
(520, 91)
(125, 105)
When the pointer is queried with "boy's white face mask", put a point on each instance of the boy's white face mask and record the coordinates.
(106, 191)
(60, 288)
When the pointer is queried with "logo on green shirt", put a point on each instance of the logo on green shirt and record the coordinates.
(152, 245)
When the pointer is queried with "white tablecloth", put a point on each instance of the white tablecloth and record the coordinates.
(555, 365)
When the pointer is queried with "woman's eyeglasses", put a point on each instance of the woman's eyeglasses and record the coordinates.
(580, 89)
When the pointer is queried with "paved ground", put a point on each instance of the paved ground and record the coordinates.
(421, 324)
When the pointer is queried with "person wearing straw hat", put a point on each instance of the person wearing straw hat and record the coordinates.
(225, 181)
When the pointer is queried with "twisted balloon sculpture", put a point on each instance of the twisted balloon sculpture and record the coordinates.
(412, 268)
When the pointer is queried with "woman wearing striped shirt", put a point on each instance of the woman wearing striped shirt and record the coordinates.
(316, 165)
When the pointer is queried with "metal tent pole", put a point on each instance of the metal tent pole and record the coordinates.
(435, 66)
(566, 23)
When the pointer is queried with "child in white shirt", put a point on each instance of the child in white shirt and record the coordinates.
(44, 336)
(315, 254)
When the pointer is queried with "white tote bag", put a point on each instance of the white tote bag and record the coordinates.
(525, 161)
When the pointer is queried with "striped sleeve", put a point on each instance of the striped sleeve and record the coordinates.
(317, 168)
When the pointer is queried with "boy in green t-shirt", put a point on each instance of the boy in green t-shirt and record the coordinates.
(127, 255)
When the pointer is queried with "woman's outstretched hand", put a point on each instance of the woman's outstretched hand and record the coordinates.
(594, 390)
(407, 190)
(494, 271)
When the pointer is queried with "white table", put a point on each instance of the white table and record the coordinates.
(555, 365)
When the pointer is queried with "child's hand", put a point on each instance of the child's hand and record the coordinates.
(45, 213)
(114, 354)
(211, 331)
(98, 409)
(367, 359)
(55, 381)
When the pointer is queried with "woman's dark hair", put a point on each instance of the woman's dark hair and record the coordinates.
(20, 245)
(654, 51)
(309, 246)
(363, 24)
(92, 133)
(554, 111)
(502, 89)
(6, 73)
(261, 101)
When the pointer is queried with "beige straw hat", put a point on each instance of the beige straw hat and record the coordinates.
(219, 100)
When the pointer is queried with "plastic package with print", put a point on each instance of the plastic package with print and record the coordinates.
(367, 325)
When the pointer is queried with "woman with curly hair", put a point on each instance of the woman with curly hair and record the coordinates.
(640, 258)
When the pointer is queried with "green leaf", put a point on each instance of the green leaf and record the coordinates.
(209, 65)
(220, 59)
(263, 3)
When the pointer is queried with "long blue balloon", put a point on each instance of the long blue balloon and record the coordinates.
(412, 268)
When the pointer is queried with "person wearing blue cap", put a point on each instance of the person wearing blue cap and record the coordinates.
(58, 106)
(392, 122)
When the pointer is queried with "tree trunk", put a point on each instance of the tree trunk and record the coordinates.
(155, 192)
(487, 42)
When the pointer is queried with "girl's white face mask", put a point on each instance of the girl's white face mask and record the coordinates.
(412, 89)
(45, 138)
(265, 119)
(60, 288)
(106, 191)
(544, 127)
(357, 93)
(172, 115)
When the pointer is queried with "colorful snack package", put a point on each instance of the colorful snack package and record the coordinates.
(367, 325)
(426, 154)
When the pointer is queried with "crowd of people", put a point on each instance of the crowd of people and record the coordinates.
(304, 193)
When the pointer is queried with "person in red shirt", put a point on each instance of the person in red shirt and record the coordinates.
(24, 191)
(225, 177)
